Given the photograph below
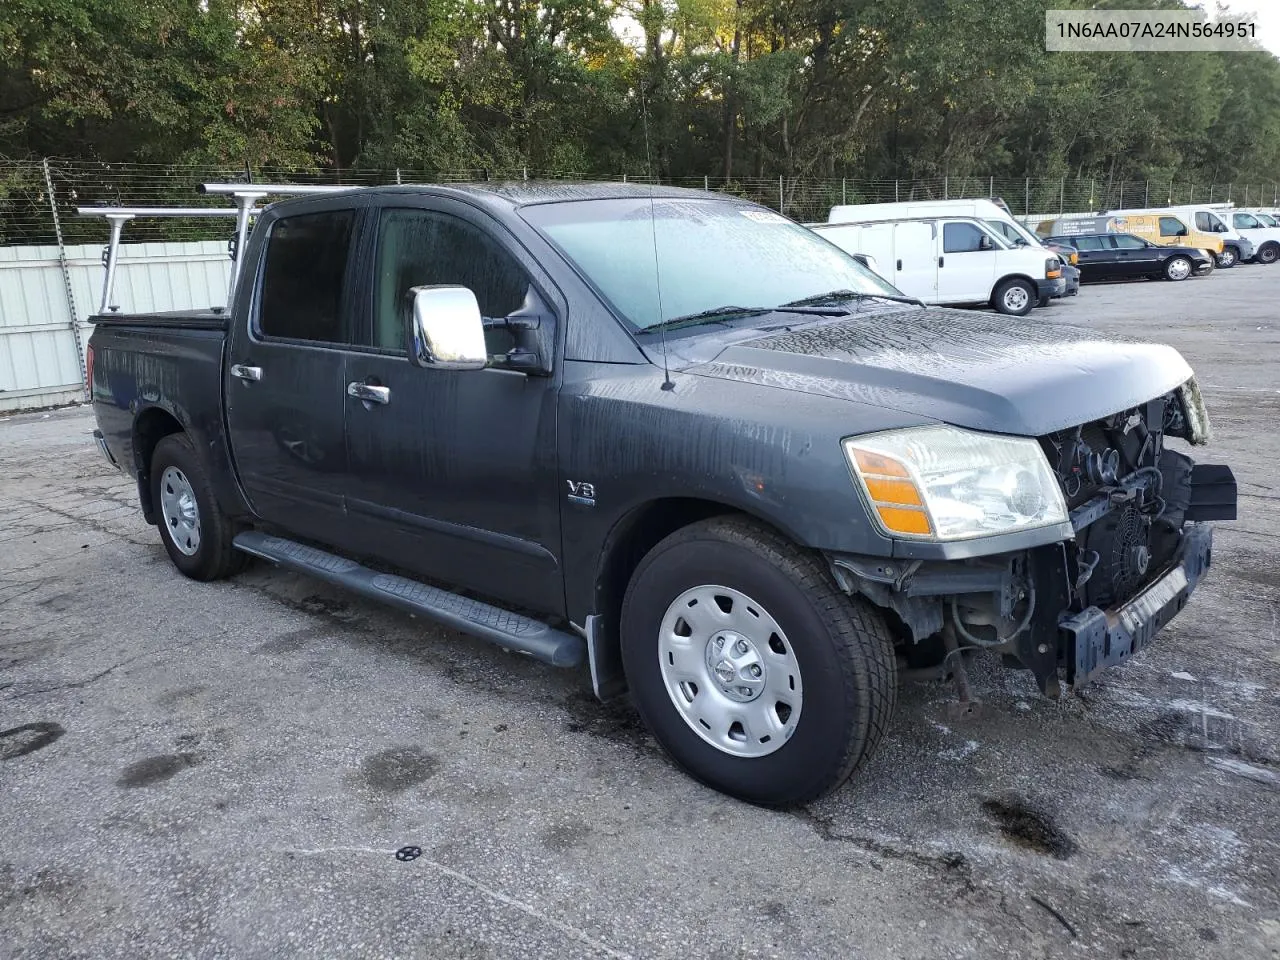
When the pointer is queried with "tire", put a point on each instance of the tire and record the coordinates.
(1268, 253)
(1015, 298)
(1043, 301)
(827, 658)
(1177, 268)
(1228, 258)
(195, 532)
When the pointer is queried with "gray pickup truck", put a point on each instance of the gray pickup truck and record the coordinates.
(677, 436)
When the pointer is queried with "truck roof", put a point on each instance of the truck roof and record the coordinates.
(518, 193)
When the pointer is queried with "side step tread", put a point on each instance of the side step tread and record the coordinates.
(503, 627)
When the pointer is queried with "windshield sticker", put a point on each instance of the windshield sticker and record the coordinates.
(763, 216)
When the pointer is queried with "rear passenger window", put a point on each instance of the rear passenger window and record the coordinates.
(961, 238)
(1172, 227)
(1084, 243)
(302, 278)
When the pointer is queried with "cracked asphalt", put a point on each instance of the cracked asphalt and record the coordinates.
(230, 769)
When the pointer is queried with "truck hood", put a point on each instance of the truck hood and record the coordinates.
(978, 370)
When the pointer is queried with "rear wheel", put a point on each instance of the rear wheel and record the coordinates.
(1015, 297)
(751, 667)
(196, 533)
(1269, 253)
(1228, 258)
(1177, 268)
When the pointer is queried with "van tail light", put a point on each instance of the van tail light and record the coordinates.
(88, 370)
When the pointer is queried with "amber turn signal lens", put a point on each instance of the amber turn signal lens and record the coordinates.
(893, 491)
(878, 464)
(904, 519)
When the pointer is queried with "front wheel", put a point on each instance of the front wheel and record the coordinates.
(751, 667)
(1177, 268)
(196, 534)
(1014, 297)
(1228, 258)
(1269, 253)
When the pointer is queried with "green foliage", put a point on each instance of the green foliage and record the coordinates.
(677, 88)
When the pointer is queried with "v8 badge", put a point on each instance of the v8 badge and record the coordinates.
(582, 493)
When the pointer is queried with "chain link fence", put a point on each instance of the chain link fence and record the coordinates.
(30, 190)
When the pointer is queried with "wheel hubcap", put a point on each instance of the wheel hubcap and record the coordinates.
(180, 511)
(730, 671)
(1227, 258)
(1015, 298)
(1179, 269)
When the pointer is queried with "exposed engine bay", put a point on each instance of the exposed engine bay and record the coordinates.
(1137, 508)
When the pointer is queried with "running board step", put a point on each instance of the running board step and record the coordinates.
(511, 630)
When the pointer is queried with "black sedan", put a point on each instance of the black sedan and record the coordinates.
(1105, 256)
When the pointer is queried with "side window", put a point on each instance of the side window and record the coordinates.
(306, 262)
(1085, 243)
(1203, 222)
(1123, 242)
(421, 248)
(1171, 227)
(961, 238)
(1244, 221)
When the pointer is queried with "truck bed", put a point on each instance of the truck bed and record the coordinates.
(212, 319)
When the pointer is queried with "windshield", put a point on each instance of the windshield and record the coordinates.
(696, 255)
(1016, 234)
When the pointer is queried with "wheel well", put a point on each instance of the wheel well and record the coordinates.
(151, 426)
(635, 535)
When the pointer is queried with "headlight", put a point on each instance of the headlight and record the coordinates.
(944, 483)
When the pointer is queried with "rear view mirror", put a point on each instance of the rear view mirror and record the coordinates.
(984, 243)
(448, 332)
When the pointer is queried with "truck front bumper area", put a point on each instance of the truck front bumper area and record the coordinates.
(1098, 639)
(1051, 288)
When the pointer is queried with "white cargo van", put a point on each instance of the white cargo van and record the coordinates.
(953, 260)
(1261, 230)
(993, 214)
(1207, 220)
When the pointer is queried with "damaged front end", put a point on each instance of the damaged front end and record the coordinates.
(1140, 542)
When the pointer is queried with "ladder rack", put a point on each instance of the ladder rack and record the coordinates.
(244, 195)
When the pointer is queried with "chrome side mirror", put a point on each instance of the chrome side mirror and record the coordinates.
(448, 332)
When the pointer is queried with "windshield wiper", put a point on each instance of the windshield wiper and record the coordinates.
(706, 316)
(721, 314)
(837, 296)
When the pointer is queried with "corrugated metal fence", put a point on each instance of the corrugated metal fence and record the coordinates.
(47, 293)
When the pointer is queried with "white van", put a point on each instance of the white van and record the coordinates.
(1259, 229)
(994, 215)
(953, 260)
(1208, 220)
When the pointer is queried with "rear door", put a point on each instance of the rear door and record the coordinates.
(914, 260)
(285, 372)
(454, 476)
(966, 272)
(1096, 256)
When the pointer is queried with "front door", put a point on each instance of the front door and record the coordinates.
(966, 272)
(285, 373)
(454, 476)
(1134, 257)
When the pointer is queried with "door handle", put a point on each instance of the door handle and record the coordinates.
(246, 373)
(368, 392)
(940, 261)
(899, 264)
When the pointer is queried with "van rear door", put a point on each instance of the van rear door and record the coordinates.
(915, 258)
